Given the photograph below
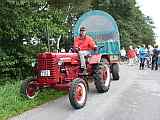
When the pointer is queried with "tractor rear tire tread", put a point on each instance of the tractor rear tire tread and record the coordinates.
(100, 86)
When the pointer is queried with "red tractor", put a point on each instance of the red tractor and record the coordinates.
(62, 70)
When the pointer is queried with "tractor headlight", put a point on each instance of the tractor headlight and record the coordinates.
(45, 73)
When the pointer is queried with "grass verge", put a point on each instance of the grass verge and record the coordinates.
(11, 103)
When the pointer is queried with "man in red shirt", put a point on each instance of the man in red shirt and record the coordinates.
(85, 44)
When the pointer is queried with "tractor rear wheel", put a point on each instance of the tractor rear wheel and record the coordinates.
(101, 77)
(78, 93)
(29, 89)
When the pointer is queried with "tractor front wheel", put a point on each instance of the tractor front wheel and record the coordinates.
(78, 93)
(29, 89)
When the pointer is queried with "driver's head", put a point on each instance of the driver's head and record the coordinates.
(82, 31)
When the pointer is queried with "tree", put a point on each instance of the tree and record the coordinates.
(134, 28)
(23, 20)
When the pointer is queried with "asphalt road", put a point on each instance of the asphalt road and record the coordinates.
(136, 96)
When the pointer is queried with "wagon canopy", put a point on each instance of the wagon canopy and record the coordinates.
(102, 28)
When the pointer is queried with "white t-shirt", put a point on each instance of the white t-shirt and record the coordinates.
(123, 52)
(151, 51)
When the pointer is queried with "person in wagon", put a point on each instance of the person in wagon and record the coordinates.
(85, 45)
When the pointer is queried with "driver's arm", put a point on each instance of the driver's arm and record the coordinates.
(92, 44)
(76, 43)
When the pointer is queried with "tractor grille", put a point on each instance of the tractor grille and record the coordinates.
(48, 62)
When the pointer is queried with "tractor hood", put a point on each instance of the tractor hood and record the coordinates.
(57, 56)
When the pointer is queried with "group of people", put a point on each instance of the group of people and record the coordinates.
(131, 55)
(142, 55)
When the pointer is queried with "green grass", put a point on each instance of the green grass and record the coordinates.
(11, 103)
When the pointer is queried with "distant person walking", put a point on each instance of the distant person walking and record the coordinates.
(142, 56)
(155, 58)
(150, 50)
(137, 51)
(131, 55)
(123, 55)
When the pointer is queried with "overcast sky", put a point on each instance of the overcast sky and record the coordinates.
(151, 8)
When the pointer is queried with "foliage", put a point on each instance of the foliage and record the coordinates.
(13, 104)
(24, 20)
(135, 29)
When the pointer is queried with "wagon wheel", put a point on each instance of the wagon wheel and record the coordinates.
(115, 71)
(78, 93)
(29, 89)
